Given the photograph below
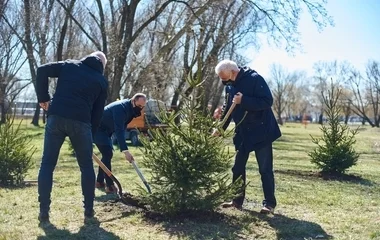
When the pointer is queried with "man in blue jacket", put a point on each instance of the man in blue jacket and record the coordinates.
(116, 117)
(74, 111)
(256, 127)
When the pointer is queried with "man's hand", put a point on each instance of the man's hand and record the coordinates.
(237, 98)
(215, 133)
(45, 105)
(128, 156)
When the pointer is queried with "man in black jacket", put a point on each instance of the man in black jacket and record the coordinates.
(256, 127)
(116, 117)
(74, 111)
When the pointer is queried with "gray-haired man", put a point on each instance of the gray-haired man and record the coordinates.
(256, 127)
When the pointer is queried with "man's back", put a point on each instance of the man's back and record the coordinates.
(80, 84)
(117, 113)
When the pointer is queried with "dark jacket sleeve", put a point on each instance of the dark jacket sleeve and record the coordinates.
(226, 106)
(97, 111)
(118, 113)
(42, 79)
(262, 100)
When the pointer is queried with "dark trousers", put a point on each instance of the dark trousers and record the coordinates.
(56, 130)
(264, 157)
(107, 153)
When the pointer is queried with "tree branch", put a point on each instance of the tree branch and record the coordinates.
(97, 45)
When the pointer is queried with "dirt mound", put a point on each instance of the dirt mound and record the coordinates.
(134, 201)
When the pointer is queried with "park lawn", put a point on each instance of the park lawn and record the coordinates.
(308, 206)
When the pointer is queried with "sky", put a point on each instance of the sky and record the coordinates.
(355, 38)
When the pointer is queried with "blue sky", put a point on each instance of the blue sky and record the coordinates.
(355, 38)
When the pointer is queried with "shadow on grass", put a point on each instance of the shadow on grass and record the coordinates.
(34, 135)
(90, 230)
(247, 224)
(32, 128)
(212, 225)
(23, 185)
(112, 198)
(292, 146)
(348, 178)
(218, 225)
(290, 228)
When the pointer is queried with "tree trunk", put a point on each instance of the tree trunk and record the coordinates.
(3, 113)
(36, 116)
(31, 60)
(44, 117)
(63, 32)
(279, 119)
(320, 120)
(346, 119)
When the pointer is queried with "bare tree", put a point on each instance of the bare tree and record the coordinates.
(11, 61)
(366, 93)
(301, 99)
(280, 18)
(35, 19)
(124, 27)
(325, 72)
(373, 90)
(359, 101)
(39, 35)
(345, 102)
(322, 73)
(154, 46)
(283, 85)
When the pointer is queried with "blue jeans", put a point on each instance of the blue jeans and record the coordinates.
(264, 157)
(56, 130)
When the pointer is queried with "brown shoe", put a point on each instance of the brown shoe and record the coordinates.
(111, 189)
(267, 210)
(99, 185)
(232, 204)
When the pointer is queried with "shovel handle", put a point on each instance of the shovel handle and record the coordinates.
(101, 165)
(109, 174)
(134, 164)
(228, 114)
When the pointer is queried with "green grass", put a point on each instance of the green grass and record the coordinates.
(308, 206)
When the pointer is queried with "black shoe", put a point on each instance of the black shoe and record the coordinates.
(43, 217)
(89, 213)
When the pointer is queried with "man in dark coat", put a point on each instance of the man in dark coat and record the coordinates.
(75, 111)
(256, 127)
(116, 117)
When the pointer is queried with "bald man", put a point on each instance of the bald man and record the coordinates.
(75, 111)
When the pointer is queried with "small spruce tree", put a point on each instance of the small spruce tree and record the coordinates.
(15, 153)
(335, 151)
(189, 167)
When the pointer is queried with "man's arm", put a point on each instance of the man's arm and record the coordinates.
(118, 114)
(97, 110)
(42, 79)
(264, 101)
(226, 106)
